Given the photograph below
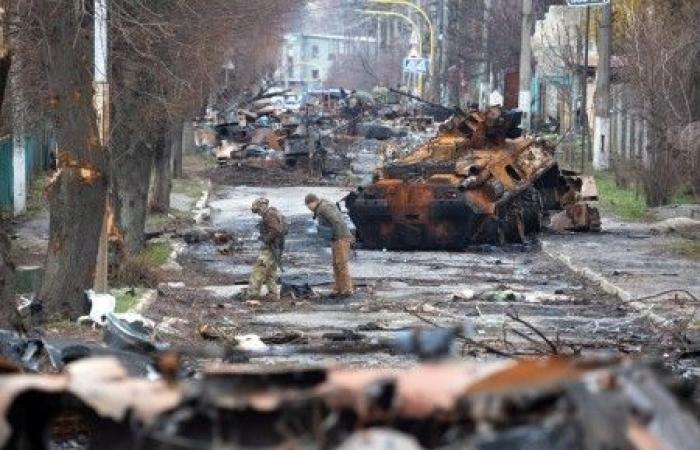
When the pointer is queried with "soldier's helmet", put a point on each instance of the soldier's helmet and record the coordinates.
(259, 204)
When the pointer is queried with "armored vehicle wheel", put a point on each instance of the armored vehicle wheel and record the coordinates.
(532, 210)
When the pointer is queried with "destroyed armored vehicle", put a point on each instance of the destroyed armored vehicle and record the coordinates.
(477, 181)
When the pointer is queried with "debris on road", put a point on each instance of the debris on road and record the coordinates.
(100, 306)
(132, 332)
(546, 404)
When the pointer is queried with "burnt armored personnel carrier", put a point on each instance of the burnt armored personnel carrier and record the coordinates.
(477, 181)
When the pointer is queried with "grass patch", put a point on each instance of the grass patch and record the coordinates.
(628, 203)
(141, 270)
(156, 254)
(190, 187)
(683, 196)
(174, 219)
(198, 161)
(126, 300)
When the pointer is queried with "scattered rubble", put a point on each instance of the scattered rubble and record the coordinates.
(545, 404)
(100, 306)
(132, 332)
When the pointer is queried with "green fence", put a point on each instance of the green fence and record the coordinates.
(36, 154)
(37, 146)
(6, 175)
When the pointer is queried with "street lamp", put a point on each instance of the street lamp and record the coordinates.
(431, 29)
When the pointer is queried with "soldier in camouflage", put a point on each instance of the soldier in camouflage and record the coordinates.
(273, 229)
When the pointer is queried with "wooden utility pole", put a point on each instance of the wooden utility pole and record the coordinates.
(484, 72)
(444, 63)
(101, 100)
(524, 96)
(584, 91)
(601, 141)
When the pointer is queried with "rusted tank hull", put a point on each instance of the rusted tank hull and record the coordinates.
(422, 216)
(417, 221)
(475, 182)
(400, 214)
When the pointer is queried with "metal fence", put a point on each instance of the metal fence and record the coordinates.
(6, 174)
(37, 147)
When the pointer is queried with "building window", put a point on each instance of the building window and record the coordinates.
(331, 56)
(314, 51)
(314, 74)
(290, 67)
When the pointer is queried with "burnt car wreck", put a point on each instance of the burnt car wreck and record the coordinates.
(477, 181)
(545, 404)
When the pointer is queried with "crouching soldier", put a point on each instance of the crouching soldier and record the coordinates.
(273, 229)
(328, 215)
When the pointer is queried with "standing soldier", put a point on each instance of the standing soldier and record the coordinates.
(329, 216)
(273, 229)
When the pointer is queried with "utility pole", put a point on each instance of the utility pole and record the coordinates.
(484, 83)
(101, 102)
(444, 63)
(524, 96)
(601, 141)
(584, 90)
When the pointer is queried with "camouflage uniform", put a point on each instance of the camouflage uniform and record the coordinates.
(328, 215)
(273, 228)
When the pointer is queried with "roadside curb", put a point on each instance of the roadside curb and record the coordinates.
(605, 284)
(145, 301)
(201, 211)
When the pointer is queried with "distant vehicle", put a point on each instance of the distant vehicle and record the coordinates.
(291, 102)
(321, 95)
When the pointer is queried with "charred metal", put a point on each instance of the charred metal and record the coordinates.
(546, 404)
(477, 181)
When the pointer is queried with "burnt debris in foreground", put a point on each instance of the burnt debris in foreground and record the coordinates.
(551, 403)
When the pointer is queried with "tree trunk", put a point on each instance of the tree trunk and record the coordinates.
(7, 291)
(78, 191)
(6, 268)
(5, 63)
(177, 149)
(162, 175)
(130, 183)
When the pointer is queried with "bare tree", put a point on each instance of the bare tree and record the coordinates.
(6, 267)
(658, 43)
(361, 67)
(167, 61)
(78, 190)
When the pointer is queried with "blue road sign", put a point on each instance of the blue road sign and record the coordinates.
(587, 2)
(416, 65)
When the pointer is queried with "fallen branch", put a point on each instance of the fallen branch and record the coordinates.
(514, 316)
(531, 340)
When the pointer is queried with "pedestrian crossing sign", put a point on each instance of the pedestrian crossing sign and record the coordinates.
(416, 65)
